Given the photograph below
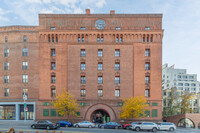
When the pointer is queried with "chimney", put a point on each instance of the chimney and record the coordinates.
(112, 12)
(87, 11)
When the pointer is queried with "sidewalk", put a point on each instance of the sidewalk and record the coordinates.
(15, 123)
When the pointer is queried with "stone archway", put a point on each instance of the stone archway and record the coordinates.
(96, 107)
(185, 122)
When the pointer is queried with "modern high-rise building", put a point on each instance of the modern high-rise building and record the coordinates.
(98, 58)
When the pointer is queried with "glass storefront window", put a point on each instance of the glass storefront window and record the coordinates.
(29, 113)
(7, 112)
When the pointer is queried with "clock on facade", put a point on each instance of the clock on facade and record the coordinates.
(100, 24)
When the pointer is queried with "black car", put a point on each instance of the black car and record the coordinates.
(112, 125)
(45, 124)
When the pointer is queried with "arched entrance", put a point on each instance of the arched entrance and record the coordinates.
(100, 116)
(185, 122)
(100, 110)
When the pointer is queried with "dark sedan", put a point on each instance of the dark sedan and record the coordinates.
(65, 124)
(112, 125)
(45, 124)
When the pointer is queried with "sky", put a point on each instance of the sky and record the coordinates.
(181, 21)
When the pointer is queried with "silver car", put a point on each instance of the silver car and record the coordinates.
(166, 126)
(145, 126)
(84, 124)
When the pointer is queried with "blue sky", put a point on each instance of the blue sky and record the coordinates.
(181, 21)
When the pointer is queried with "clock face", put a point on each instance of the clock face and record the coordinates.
(100, 24)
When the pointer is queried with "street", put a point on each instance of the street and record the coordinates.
(21, 126)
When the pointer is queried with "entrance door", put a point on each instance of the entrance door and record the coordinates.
(29, 113)
(100, 116)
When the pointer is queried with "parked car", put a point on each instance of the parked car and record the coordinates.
(84, 124)
(145, 126)
(65, 124)
(166, 126)
(127, 126)
(45, 124)
(112, 125)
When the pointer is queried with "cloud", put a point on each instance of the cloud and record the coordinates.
(34, 1)
(78, 11)
(100, 3)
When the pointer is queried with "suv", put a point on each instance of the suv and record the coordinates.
(145, 126)
(166, 126)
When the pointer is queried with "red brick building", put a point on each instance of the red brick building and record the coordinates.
(98, 58)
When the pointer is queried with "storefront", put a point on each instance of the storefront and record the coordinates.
(15, 111)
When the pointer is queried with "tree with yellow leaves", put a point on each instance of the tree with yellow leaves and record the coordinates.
(184, 105)
(133, 107)
(66, 104)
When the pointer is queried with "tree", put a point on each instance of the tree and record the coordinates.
(184, 105)
(133, 107)
(65, 103)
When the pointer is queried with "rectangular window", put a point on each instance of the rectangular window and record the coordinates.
(79, 39)
(6, 39)
(100, 66)
(154, 104)
(117, 66)
(53, 28)
(117, 53)
(100, 52)
(6, 52)
(25, 39)
(100, 92)
(53, 92)
(25, 92)
(147, 79)
(53, 66)
(147, 93)
(100, 79)
(147, 66)
(117, 79)
(49, 38)
(24, 65)
(6, 66)
(147, 28)
(83, 39)
(56, 39)
(25, 52)
(53, 79)
(82, 79)
(98, 40)
(117, 39)
(147, 39)
(143, 39)
(45, 112)
(154, 113)
(121, 40)
(53, 52)
(117, 92)
(6, 92)
(6, 79)
(151, 39)
(53, 112)
(83, 93)
(83, 28)
(117, 28)
(147, 52)
(147, 113)
(25, 78)
(82, 52)
(52, 38)
(101, 39)
(82, 65)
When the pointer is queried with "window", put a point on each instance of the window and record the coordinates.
(147, 79)
(56, 38)
(83, 28)
(83, 39)
(25, 52)
(154, 104)
(143, 39)
(154, 113)
(117, 53)
(191, 77)
(82, 65)
(53, 52)
(83, 93)
(100, 79)
(100, 92)
(180, 84)
(100, 52)
(179, 76)
(187, 84)
(53, 92)
(25, 78)
(52, 38)
(147, 52)
(101, 39)
(6, 79)
(25, 92)
(117, 66)
(117, 39)
(45, 112)
(147, 28)
(117, 79)
(6, 39)
(24, 65)
(147, 66)
(151, 39)
(121, 39)
(25, 39)
(6, 66)
(79, 39)
(98, 40)
(184, 77)
(53, 79)
(117, 28)
(52, 28)
(147, 39)
(117, 92)
(193, 84)
(49, 38)
(6, 92)
(53, 66)
(53, 112)
(100, 66)
(82, 52)
(147, 93)
(82, 79)
(6, 52)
